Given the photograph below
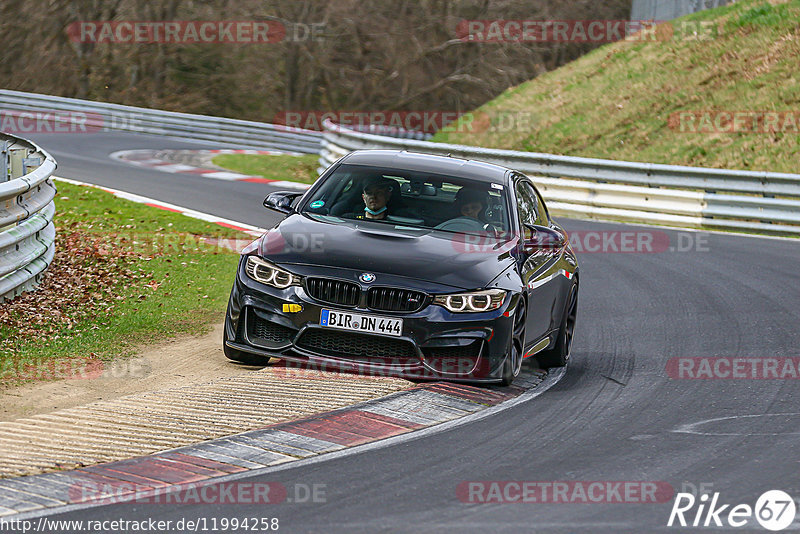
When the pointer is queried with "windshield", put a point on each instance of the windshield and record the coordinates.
(411, 199)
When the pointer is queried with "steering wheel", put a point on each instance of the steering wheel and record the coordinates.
(461, 224)
(492, 229)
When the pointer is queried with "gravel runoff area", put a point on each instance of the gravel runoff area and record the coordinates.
(170, 395)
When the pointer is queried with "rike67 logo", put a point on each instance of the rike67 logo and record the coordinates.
(774, 510)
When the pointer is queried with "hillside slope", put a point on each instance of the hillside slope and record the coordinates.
(630, 100)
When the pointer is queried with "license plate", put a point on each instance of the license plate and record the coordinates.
(356, 322)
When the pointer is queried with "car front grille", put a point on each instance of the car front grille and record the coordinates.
(343, 293)
(333, 291)
(395, 300)
(355, 346)
(272, 332)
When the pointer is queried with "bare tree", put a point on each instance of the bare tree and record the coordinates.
(370, 55)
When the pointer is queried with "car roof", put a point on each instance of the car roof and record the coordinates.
(434, 164)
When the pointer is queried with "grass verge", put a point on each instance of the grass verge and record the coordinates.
(124, 274)
(623, 101)
(302, 169)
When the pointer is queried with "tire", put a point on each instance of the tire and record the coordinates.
(559, 355)
(516, 347)
(242, 357)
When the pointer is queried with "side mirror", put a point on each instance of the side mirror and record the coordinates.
(543, 238)
(281, 201)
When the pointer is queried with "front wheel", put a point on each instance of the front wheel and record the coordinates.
(513, 363)
(558, 355)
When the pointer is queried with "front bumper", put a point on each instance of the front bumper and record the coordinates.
(435, 344)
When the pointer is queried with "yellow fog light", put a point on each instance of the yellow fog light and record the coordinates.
(292, 308)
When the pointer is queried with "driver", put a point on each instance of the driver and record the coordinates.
(376, 194)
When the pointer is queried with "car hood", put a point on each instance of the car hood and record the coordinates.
(455, 260)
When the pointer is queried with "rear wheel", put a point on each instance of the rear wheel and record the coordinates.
(513, 363)
(559, 355)
(242, 357)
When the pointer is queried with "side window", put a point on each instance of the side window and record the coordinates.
(348, 186)
(526, 206)
(541, 209)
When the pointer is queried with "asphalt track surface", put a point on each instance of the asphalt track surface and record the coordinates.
(613, 417)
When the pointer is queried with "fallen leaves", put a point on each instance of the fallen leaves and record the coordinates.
(83, 282)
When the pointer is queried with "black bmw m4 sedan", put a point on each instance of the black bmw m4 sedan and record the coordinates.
(413, 265)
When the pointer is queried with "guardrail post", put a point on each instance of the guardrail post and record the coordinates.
(15, 158)
(4, 170)
(28, 164)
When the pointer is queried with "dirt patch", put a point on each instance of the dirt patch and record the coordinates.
(180, 362)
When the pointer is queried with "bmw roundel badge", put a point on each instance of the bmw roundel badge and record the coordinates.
(367, 278)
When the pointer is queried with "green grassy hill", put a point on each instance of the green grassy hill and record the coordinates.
(623, 101)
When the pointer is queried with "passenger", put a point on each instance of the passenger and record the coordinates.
(470, 203)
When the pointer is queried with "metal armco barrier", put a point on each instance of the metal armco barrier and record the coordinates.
(27, 234)
(586, 188)
(670, 9)
(101, 116)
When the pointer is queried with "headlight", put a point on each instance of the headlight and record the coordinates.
(266, 273)
(473, 302)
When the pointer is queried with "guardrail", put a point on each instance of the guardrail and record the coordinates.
(586, 188)
(670, 9)
(27, 233)
(101, 116)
